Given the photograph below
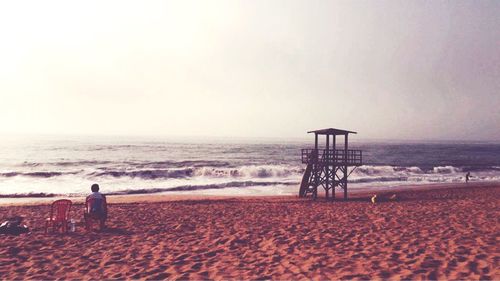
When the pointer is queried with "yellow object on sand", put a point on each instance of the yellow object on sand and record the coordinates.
(374, 198)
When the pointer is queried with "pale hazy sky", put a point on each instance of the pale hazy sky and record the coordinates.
(387, 69)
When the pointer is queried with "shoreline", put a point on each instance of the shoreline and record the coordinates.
(183, 196)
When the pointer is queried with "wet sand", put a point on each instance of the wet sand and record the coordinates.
(432, 232)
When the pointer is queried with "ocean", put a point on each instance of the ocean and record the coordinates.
(51, 166)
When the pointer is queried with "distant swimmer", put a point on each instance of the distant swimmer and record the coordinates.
(467, 177)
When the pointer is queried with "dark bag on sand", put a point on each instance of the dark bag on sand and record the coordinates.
(13, 226)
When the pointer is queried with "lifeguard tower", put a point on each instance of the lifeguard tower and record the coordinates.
(328, 166)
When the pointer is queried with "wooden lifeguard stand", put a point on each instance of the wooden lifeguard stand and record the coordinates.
(328, 167)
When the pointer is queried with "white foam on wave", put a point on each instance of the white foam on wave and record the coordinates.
(363, 176)
(368, 170)
(251, 171)
(446, 170)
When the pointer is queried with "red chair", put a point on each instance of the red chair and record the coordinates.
(59, 215)
(90, 217)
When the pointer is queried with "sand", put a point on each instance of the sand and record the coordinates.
(449, 232)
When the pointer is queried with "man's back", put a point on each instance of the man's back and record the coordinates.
(97, 202)
(96, 195)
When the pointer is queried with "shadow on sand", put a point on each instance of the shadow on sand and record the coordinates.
(115, 231)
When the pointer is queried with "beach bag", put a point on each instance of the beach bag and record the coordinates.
(13, 226)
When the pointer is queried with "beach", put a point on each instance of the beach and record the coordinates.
(210, 134)
(429, 233)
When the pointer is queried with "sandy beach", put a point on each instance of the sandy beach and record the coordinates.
(210, 134)
(431, 232)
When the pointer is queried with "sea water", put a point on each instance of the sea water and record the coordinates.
(68, 166)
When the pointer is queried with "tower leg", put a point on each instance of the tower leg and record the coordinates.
(345, 183)
(328, 184)
(334, 181)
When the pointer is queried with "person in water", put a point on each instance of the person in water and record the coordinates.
(97, 206)
(467, 177)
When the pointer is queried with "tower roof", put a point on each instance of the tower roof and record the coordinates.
(331, 131)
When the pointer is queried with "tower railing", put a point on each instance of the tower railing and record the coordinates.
(333, 156)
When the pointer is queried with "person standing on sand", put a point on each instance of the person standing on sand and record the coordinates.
(467, 177)
(98, 208)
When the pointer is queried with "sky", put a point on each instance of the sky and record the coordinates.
(386, 69)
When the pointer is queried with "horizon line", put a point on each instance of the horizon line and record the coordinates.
(254, 138)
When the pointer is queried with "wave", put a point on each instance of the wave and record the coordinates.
(136, 164)
(266, 171)
(147, 174)
(446, 170)
(234, 184)
(180, 164)
(25, 195)
(66, 163)
(365, 173)
(368, 170)
(480, 168)
(35, 174)
(378, 179)
(253, 171)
